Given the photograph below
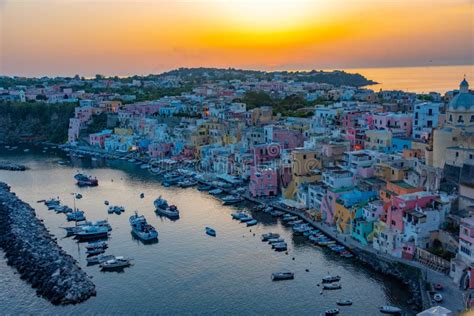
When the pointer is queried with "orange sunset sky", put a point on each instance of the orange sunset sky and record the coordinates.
(122, 37)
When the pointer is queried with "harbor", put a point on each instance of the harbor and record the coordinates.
(183, 247)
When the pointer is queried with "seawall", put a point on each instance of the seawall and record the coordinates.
(35, 254)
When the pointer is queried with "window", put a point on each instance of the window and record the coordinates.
(430, 112)
(457, 154)
(450, 117)
(472, 118)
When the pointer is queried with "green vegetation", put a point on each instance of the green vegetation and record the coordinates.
(98, 123)
(293, 105)
(35, 121)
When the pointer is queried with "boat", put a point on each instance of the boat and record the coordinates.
(118, 262)
(289, 218)
(97, 244)
(215, 192)
(326, 242)
(76, 216)
(252, 222)
(142, 195)
(187, 183)
(245, 218)
(238, 215)
(115, 209)
(141, 228)
(85, 180)
(78, 196)
(386, 309)
(275, 240)
(91, 232)
(210, 232)
(162, 208)
(438, 298)
(266, 237)
(106, 202)
(332, 311)
(95, 251)
(332, 286)
(331, 278)
(280, 246)
(232, 199)
(145, 166)
(277, 276)
(204, 187)
(344, 302)
(276, 213)
(99, 259)
(300, 229)
(51, 203)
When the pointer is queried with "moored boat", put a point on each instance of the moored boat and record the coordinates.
(210, 231)
(232, 199)
(331, 278)
(99, 259)
(92, 232)
(344, 302)
(386, 309)
(162, 208)
(85, 180)
(266, 237)
(141, 228)
(277, 276)
(116, 263)
(332, 286)
(252, 222)
(332, 311)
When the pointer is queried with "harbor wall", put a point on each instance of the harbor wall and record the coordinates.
(34, 252)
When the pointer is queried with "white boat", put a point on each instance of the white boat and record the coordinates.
(344, 302)
(95, 251)
(92, 232)
(116, 263)
(97, 244)
(386, 309)
(99, 259)
(332, 311)
(275, 240)
(282, 276)
(232, 199)
(332, 286)
(280, 246)
(266, 237)
(141, 228)
(162, 208)
(331, 278)
(76, 216)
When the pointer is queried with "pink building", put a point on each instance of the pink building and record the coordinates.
(159, 149)
(394, 122)
(263, 181)
(288, 138)
(402, 203)
(265, 152)
(98, 139)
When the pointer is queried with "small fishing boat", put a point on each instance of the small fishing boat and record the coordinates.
(332, 311)
(266, 237)
(280, 246)
(246, 218)
(277, 276)
(106, 202)
(76, 216)
(92, 232)
(215, 192)
(95, 251)
(142, 195)
(275, 240)
(118, 262)
(344, 302)
(332, 286)
(232, 199)
(210, 232)
(331, 278)
(386, 309)
(162, 208)
(238, 215)
(83, 180)
(187, 183)
(204, 187)
(99, 259)
(97, 244)
(252, 222)
(141, 228)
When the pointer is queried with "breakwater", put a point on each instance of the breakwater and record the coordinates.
(11, 166)
(33, 251)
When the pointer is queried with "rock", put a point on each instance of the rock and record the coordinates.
(39, 260)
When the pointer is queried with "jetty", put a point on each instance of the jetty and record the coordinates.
(33, 251)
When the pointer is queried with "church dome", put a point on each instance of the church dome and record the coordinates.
(463, 100)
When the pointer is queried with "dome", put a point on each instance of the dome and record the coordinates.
(463, 100)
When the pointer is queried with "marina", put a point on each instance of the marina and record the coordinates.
(183, 240)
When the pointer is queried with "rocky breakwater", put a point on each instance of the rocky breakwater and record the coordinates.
(11, 166)
(35, 254)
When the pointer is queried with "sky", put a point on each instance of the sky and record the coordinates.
(124, 37)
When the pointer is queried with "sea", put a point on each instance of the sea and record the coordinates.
(186, 272)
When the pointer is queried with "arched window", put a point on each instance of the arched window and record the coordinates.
(450, 117)
(460, 119)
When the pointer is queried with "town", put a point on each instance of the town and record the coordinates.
(390, 172)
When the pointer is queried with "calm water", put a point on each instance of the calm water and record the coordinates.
(186, 272)
(418, 79)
